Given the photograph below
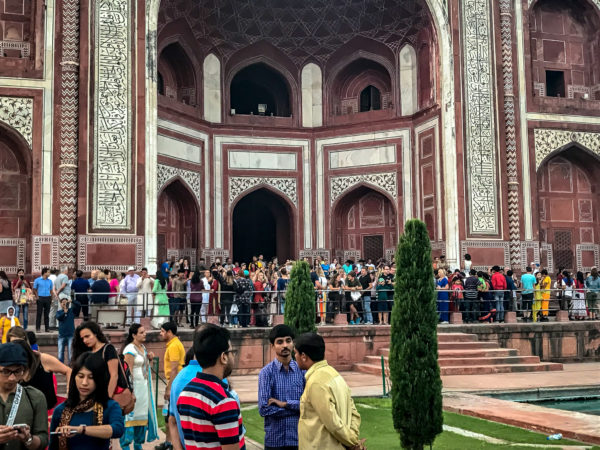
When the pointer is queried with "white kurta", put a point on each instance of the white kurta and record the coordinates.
(139, 371)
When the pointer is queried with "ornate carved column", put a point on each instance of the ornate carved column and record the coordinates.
(69, 130)
(514, 223)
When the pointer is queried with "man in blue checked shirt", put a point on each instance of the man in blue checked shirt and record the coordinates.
(280, 386)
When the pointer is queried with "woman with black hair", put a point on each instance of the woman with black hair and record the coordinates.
(140, 424)
(196, 290)
(90, 338)
(88, 419)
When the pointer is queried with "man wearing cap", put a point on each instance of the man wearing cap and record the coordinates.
(244, 288)
(22, 409)
(130, 290)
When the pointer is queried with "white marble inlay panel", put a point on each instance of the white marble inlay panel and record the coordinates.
(359, 157)
(177, 149)
(18, 113)
(112, 117)
(243, 159)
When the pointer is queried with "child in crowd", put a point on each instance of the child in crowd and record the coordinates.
(8, 321)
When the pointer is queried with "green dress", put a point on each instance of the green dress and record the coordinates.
(161, 305)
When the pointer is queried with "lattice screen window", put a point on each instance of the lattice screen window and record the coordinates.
(563, 249)
(373, 247)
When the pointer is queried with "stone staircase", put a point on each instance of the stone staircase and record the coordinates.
(463, 354)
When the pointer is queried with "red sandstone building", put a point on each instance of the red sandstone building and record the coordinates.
(132, 130)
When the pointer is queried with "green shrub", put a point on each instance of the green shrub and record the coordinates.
(414, 370)
(300, 300)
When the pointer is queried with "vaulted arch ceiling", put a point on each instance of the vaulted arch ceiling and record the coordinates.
(303, 30)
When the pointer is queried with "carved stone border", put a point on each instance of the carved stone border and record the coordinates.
(548, 141)
(312, 254)
(587, 247)
(387, 181)
(239, 185)
(545, 247)
(20, 243)
(211, 254)
(480, 139)
(464, 245)
(536, 253)
(17, 112)
(84, 240)
(165, 174)
(36, 252)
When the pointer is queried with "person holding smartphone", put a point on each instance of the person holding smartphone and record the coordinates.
(88, 419)
(22, 409)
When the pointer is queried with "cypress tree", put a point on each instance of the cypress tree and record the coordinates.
(414, 370)
(300, 300)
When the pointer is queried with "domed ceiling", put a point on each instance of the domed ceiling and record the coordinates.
(302, 29)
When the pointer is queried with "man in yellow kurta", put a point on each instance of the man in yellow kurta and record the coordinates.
(328, 418)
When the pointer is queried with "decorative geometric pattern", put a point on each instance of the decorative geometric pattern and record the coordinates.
(479, 111)
(321, 253)
(114, 241)
(211, 255)
(465, 245)
(547, 141)
(183, 253)
(302, 30)
(438, 245)
(514, 222)
(112, 116)
(36, 260)
(23, 47)
(18, 113)
(354, 255)
(589, 248)
(239, 185)
(547, 248)
(390, 253)
(193, 179)
(386, 181)
(536, 253)
(20, 243)
(69, 132)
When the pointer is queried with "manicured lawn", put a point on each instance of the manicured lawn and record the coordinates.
(377, 427)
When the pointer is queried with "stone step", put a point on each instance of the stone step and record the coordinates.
(372, 369)
(486, 361)
(500, 368)
(456, 337)
(478, 353)
(466, 345)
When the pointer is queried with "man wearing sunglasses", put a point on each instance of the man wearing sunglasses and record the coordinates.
(210, 416)
(23, 410)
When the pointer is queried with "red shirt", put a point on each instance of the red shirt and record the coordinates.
(498, 282)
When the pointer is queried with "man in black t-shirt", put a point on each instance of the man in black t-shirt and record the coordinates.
(366, 284)
(353, 298)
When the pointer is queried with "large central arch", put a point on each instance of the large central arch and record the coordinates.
(439, 13)
(262, 223)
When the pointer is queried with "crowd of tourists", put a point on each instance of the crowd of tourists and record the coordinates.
(486, 295)
(251, 294)
(304, 401)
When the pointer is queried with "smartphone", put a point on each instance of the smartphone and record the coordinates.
(19, 426)
(58, 432)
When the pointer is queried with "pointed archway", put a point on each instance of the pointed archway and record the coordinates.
(262, 224)
(15, 199)
(364, 220)
(177, 223)
(568, 205)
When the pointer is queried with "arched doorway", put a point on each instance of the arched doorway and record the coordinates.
(568, 186)
(262, 225)
(178, 218)
(364, 220)
(15, 194)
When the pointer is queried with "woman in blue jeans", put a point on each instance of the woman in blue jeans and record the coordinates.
(23, 297)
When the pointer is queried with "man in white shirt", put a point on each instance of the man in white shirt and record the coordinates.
(144, 285)
(205, 295)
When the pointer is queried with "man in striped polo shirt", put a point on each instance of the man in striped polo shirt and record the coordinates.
(210, 416)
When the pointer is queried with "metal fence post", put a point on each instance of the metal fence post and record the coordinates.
(383, 375)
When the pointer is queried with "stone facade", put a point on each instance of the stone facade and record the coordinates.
(137, 130)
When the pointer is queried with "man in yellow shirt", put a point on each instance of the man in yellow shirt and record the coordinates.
(174, 360)
(328, 418)
(545, 286)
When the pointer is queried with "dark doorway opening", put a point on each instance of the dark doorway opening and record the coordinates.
(262, 225)
(373, 247)
(370, 99)
(555, 83)
(256, 85)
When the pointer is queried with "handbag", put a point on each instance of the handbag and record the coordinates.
(123, 396)
(355, 295)
(234, 309)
